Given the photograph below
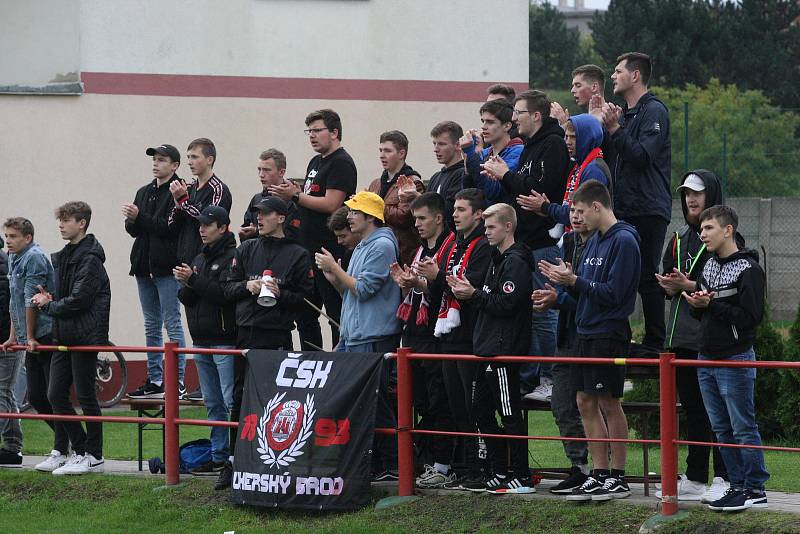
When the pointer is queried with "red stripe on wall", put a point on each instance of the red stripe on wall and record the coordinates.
(285, 88)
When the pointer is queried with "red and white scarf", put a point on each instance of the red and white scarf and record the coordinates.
(404, 310)
(449, 316)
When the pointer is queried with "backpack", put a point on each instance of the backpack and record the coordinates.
(194, 454)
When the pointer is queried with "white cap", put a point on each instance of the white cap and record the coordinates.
(693, 182)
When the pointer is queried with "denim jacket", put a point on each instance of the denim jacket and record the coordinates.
(27, 270)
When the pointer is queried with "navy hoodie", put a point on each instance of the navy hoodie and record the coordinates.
(607, 281)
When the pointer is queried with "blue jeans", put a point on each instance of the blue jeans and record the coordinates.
(10, 431)
(158, 297)
(216, 383)
(545, 325)
(384, 448)
(728, 398)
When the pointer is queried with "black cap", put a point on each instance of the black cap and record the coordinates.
(216, 214)
(269, 204)
(165, 150)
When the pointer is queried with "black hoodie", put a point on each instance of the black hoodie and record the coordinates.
(448, 182)
(211, 316)
(154, 246)
(503, 324)
(729, 323)
(543, 166)
(82, 296)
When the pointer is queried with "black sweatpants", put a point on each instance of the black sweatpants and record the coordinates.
(652, 232)
(497, 390)
(37, 374)
(308, 319)
(459, 382)
(79, 368)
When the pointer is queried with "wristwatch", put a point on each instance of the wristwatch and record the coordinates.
(296, 197)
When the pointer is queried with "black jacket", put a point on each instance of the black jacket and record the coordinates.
(154, 245)
(291, 227)
(459, 340)
(543, 166)
(567, 303)
(183, 217)
(211, 317)
(82, 296)
(503, 324)
(448, 182)
(729, 323)
(5, 296)
(290, 264)
(640, 157)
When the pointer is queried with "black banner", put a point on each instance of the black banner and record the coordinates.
(306, 429)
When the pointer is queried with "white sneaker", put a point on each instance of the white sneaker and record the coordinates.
(81, 465)
(688, 490)
(433, 478)
(543, 392)
(627, 386)
(52, 462)
(715, 492)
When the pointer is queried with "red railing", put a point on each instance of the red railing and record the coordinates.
(405, 430)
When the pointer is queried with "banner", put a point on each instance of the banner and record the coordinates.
(306, 430)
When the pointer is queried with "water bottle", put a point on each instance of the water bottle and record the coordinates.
(266, 298)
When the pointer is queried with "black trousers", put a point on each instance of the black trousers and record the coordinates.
(698, 427)
(652, 231)
(79, 368)
(276, 341)
(37, 374)
(459, 382)
(497, 391)
(308, 319)
(430, 401)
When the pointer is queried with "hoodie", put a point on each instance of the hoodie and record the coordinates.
(606, 282)
(448, 182)
(729, 323)
(396, 212)
(492, 189)
(588, 136)
(503, 324)
(368, 314)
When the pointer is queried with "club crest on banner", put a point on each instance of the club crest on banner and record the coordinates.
(284, 429)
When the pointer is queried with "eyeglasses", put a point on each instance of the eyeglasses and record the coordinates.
(314, 131)
(518, 111)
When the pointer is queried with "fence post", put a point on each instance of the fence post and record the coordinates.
(686, 137)
(171, 408)
(669, 424)
(405, 450)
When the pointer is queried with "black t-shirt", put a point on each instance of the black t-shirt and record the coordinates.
(335, 171)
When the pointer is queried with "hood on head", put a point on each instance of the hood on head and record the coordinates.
(714, 194)
(588, 135)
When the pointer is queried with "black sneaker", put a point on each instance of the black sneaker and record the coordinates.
(386, 476)
(515, 485)
(575, 479)
(9, 458)
(491, 484)
(148, 390)
(208, 468)
(464, 478)
(196, 395)
(613, 488)
(225, 478)
(729, 494)
(746, 499)
(587, 490)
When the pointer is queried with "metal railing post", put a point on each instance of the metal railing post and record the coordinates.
(405, 450)
(171, 412)
(669, 433)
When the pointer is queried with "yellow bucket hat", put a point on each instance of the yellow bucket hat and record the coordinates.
(368, 203)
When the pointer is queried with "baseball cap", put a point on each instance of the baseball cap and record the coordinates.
(368, 203)
(216, 214)
(269, 204)
(693, 182)
(165, 150)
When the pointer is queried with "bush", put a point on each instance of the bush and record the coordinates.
(788, 405)
(769, 395)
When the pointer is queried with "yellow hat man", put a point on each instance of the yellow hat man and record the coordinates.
(367, 203)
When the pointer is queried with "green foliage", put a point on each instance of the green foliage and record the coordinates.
(762, 141)
(554, 50)
(769, 397)
(788, 406)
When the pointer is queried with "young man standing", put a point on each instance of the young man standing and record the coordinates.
(212, 323)
(29, 269)
(588, 87)
(398, 177)
(543, 168)
(605, 300)
(501, 91)
(430, 400)
(496, 123)
(153, 256)
(502, 327)
(10, 364)
(449, 180)
(729, 302)
(264, 327)
(639, 154)
(80, 306)
(330, 179)
(683, 261)
(271, 171)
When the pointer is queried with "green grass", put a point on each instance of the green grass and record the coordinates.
(35, 502)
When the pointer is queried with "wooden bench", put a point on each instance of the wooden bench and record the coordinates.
(153, 408)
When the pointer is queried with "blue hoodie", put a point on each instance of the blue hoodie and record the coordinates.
(369, 314)
(588, 136)
(607, 280)
(492, 189)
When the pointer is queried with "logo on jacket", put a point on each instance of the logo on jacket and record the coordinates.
(657, 126)
(284, 429)
(508, 287)
(214, 267)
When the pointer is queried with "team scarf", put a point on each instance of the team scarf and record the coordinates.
(404, 310)
(449, 316)
(575, 176)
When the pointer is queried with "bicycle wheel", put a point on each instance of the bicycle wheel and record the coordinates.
(112, 378)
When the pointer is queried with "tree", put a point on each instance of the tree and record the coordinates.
(554, 50)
